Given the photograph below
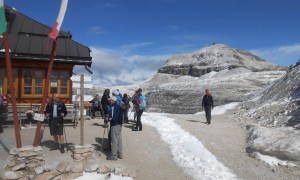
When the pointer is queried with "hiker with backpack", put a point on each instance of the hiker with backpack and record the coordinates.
(115, 136)
(134, 106)
(116, 93)
(207, 105)
(140, 105)
(55, 111)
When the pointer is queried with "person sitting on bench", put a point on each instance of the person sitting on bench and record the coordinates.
(96, 105)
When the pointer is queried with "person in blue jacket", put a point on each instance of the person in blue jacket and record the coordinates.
(116, 93)
(115, 135)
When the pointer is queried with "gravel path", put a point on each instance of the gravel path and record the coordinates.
(145, 152)
(227, 141)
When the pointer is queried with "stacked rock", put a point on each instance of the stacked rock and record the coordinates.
(83, 152)
(24, 161)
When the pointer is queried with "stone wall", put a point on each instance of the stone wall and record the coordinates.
(29, 163)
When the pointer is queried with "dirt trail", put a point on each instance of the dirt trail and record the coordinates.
(227, 141)
(145, 152)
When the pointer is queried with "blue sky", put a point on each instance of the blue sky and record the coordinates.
(131, 39)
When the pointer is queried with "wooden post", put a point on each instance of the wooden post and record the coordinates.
(81, 110)
(12, 91)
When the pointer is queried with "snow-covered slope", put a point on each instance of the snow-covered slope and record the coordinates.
(278, 104)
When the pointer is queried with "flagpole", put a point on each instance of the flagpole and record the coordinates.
(12, 91)
(45, 94)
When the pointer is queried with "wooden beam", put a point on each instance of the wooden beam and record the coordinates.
(12, 91)
(45, 94)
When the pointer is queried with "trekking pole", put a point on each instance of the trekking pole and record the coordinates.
(103, 138)
(131, 112)
(67, 146)
(43, 130)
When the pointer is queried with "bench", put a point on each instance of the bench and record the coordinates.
(23, 111)
(26, 112)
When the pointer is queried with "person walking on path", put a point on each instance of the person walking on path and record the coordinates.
(115, 130)
(55, 111)
(207, 105)
(139, 100)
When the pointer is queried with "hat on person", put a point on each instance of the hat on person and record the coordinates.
(113, 98)
(140, 90)
(115, 92)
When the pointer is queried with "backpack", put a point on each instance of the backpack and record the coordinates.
(142, 102)
(3, 104)
(3, 101)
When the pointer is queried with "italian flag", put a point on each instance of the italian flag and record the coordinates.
(2, 17)
(59, 20)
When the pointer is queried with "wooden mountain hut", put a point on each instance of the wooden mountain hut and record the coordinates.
(30, 50)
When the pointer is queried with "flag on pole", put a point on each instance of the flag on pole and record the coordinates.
(59, 20)
(2, 17)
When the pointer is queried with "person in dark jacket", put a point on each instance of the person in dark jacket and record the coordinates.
(126, 99)
(115, 130)
(105, 102)
(207, 105)
(55, 111)
(134, 106)
(139, 111)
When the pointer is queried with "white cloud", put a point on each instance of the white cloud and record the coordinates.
(109, 68)
(106, 5)
(284, 55)
(130, 47)
(96, 30)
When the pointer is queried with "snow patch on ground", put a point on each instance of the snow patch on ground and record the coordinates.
(96, 176)
(272, 161)
(219, 110)
(188, 152)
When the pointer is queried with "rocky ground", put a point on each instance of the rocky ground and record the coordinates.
(150, 157)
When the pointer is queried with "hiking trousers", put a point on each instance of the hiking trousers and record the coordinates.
(208, 114)
(138, 124)
(116, 140)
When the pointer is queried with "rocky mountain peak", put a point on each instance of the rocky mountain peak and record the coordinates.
(215, 58)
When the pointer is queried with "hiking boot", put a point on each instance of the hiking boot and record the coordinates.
(62, 148)
(111, 158)
(55, 147)
(120, 156)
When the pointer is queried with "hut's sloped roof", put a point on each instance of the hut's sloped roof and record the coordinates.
(28, 40)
